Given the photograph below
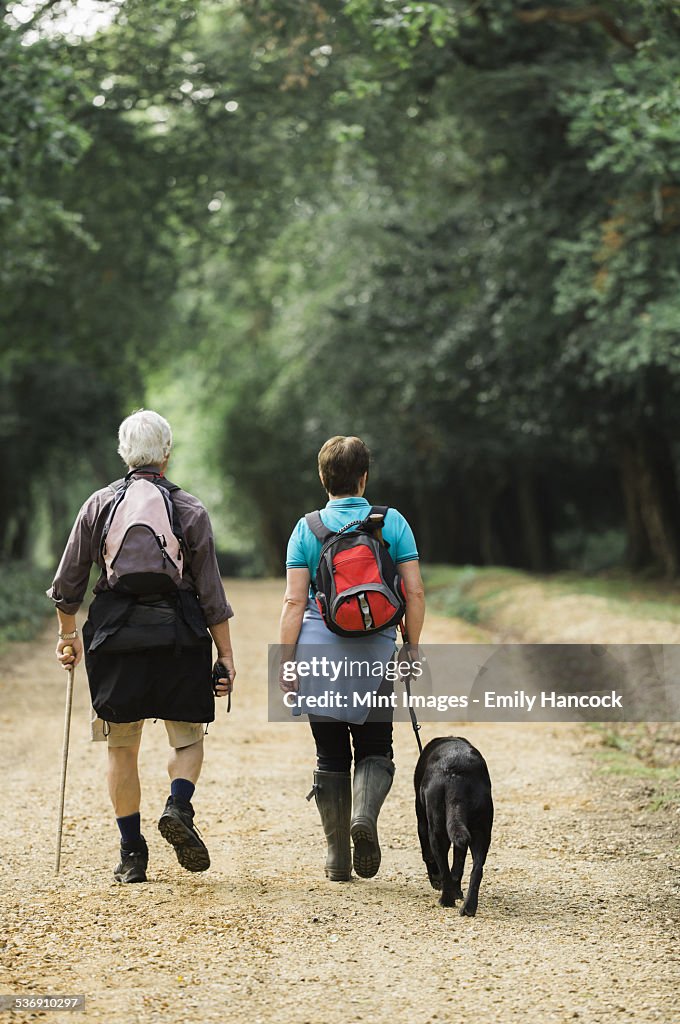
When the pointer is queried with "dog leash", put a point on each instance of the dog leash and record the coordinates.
(407, 688)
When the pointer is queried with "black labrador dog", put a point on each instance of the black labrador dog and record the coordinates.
(454, 808)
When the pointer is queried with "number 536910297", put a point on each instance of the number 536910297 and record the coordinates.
(33, 1002)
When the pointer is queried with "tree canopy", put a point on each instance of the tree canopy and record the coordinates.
(453, 229)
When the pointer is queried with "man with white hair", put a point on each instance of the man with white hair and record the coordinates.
(147, 639)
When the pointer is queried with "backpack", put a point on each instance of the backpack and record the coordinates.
(357, 587)
(142, 539)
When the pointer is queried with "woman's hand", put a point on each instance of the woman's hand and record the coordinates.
(288, 679)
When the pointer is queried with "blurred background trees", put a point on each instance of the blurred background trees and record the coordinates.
(451, 228)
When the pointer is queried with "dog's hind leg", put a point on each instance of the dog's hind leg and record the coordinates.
(460, 837)
(459, 853)
(424, 836)
(479, 847)
(440, 845)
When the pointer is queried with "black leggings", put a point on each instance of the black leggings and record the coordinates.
(333, 750)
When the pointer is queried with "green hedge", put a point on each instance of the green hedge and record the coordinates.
(23, 604)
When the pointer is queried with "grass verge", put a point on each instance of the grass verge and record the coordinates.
(23, 604)
(475, 593)
(647, 752)
(519, 606)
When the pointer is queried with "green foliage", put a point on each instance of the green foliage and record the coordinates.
(38, 140)
(396, 27)
(454, 600)
(439, 225)
(23, 605)
(590, 552)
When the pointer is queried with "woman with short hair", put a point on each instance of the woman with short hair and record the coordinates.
(349, 812)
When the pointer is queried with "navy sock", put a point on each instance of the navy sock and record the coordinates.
(182, 789)
(130, 831)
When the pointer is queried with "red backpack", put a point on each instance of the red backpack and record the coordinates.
(357, 587)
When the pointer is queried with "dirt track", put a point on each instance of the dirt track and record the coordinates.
(578, 917)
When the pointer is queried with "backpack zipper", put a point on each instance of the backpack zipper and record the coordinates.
(166, 556)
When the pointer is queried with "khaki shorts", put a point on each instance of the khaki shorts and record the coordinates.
(180, 734)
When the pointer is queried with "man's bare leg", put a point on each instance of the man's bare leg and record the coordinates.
(123, 779)
(125, 793)
(186, 762)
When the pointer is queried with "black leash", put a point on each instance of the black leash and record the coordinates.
(407, 688)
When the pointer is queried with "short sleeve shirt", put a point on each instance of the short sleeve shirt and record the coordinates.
(304, 549)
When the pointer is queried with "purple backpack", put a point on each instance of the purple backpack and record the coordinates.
(142, 541)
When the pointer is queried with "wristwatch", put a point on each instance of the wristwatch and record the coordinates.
(69, 636)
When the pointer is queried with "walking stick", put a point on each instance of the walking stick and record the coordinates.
(64, 757)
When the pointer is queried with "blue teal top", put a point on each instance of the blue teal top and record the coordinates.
(304, 549)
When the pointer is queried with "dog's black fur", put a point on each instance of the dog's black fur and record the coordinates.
(454, 808)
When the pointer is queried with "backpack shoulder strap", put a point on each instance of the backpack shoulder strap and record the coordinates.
(118, 489)
(316, 525)
(379, 510)
(168, 487)
(167, 484)
(148, 474)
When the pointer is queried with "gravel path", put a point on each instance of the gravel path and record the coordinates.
(578, 918)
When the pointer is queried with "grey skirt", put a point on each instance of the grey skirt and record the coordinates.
(354, 667)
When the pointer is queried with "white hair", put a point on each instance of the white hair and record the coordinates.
(145, 439)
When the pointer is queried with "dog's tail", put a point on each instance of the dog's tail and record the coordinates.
(456, 826)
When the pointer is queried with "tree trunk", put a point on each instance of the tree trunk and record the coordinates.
(638, 550)
(657, 488)
(485, 493)
(533, 520)
(428, 525)
(272, 543)
(58, 511)
(486, 537)
(19, 547)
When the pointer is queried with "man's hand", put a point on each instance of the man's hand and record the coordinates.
(69, 661)
(224, 684)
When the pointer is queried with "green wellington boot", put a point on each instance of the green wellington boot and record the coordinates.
(372, 782)
(333, 793)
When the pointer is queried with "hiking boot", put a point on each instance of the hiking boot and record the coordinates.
(333, 793)
(372, 782)
(133, 863)
(176, 825)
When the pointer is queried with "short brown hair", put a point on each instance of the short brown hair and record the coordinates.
(342, 463)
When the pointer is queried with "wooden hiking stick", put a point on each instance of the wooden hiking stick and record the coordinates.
(64, 757)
